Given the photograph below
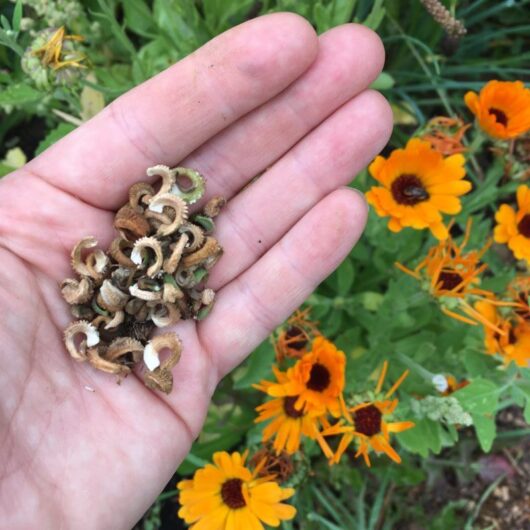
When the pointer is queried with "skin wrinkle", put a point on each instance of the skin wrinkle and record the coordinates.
(149, 143)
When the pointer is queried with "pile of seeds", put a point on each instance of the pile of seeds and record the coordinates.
(152, 276)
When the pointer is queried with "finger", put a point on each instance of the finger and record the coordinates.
(349, 58)
(167, 117)
(324, 160)
(251, 306)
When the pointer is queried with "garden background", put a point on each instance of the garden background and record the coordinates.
(466, 462)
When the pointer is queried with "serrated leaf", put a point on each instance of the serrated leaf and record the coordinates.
(19, 94)
(486, 430)
(479, 397)
(54, 136)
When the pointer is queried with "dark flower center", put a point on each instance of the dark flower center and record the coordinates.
(289, 409)
(368, 420)
(500, 116)
(319, 378)
(232, 493)
(295, 338)
(449, 280)
(524, 226)
(512, 339)
(523, 311)
(409, 190)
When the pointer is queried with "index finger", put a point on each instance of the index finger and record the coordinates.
(167, 117)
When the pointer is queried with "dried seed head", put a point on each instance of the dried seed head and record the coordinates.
(141, 192)
(178, 216)
(207, 255)
(171, 263)
(189, 184)
(111, 297)
(213, 206)
(95, 263)
(159, 379)
(117, 250)
(144, 294)
(153, 348)
(144, 245)
(167, 176)
(97, 361)
(116, 320)
(123, 346)
(77, 291)
(164, 314)
(195, 236)
(171, 292)
(90, 338)
(131, 224)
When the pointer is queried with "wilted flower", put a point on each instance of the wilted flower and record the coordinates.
(452, 276)
(368, 424)
(296, 336)
(502, 108)
(226, 495)
(514, 343)
(418, 185)
(52, 57)
(513, 228)
(446, 135)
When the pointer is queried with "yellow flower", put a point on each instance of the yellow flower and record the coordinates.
(317, 379)
(514, 343)
(226, 495)
(502, 108)
(452, 277)
(513, 228)
(366, 423)
(288, 423)
(418, 185)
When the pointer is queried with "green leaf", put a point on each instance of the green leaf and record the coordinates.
(17, 15)
(19, 94)
(376, 15)
(54, 136)
(258, 366)
(425, 437)
(479, 397)
(345, 276)
(526, 412)
(486, 430)
(138, 17)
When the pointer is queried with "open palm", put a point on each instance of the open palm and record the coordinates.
(267, 95)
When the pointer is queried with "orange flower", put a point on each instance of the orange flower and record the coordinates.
(513, 344)
(317, 379)
(292, 341)
(502, 108)
(446, 134)
(367, 424)
(519, 292)
(288, 423)
(452, 277)
(418, 185)
(513, 228)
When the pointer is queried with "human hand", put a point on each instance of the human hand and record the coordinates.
(268, 95)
